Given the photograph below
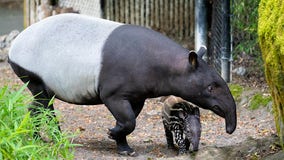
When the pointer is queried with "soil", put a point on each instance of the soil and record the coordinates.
(254, 137)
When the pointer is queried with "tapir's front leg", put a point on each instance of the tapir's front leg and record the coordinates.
(179, 139)
(169, 135)
(125, 124)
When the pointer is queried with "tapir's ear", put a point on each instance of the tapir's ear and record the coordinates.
(192, 58)
(202, 50)
(182, 114)
(196, 111)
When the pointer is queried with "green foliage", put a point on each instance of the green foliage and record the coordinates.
(259, 100)
(256, 101)
(236, 90)
(245, 38)
(244, 23)
(17, 128)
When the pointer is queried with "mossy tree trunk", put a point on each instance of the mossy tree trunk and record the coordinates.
(271, 39)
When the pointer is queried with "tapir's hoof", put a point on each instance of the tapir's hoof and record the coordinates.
(128, 153)
(109, 135)
(171, 147)
(181, 153)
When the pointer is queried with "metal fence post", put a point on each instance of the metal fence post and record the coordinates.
(226, 41)
(201, 25)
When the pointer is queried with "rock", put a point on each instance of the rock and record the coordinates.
(3, 55)
(211, 153)
(248, 149)
(279, 155)
(241, 71)
(153, 113)
(5, 44)
(2, 41)
(11, 36)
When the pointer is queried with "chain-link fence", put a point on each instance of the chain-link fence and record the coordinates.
(220, 38)
(215, 37)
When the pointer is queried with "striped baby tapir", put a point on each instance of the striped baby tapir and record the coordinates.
(181, 121)
(85, 60)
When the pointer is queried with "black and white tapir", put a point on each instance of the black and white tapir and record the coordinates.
(86, 60)
(181, 118)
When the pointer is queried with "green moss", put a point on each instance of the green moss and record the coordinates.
(236, 90)
(259, 100)
(271, 40)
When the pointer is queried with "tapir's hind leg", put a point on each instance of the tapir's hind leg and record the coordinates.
(38, 89)
(137, 107)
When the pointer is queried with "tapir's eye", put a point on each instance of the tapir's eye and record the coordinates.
(211, 87)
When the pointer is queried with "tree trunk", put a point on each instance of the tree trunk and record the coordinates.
(271, 39)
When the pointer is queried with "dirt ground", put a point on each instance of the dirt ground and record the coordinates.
(90, 123)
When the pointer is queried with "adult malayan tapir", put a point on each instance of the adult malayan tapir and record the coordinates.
(86, 60)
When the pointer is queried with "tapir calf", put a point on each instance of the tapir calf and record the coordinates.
(183, 119)
(85, 60)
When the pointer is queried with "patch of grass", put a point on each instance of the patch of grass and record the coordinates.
(236, 90)
(17, 128)
(259, 100)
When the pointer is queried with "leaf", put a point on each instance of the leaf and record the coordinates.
(18, 94)
(51, 101)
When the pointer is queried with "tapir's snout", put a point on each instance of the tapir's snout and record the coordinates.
(230, 129)
(231, 122)
(230, 116)
(195, 146)
(231, 119)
